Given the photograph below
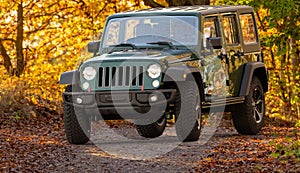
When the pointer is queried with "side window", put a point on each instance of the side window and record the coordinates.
(210, 29)
(248, 28)
(230, 30)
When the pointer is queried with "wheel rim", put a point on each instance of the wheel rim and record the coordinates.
(258, 105)
(161, 121)
(198, 110)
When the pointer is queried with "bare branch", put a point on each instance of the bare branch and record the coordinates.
(152, 3)
(102, 10)
(31, 4)
(173, 3)
(84, 6)
(8, 39)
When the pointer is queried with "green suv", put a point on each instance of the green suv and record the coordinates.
(182, 62)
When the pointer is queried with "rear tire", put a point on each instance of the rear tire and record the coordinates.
(188, 112)
(248, 117)
(77, 124)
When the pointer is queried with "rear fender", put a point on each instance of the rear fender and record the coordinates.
(251, 69)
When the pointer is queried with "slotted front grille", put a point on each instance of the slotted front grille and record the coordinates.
(122, 76)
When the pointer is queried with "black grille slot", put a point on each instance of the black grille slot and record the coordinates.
(107, 78)
(127, 76)
(141, 75)
(133, 74)
(101, 77)
(121, 76)
(114, 77)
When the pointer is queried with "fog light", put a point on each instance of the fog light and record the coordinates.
(85, 85)
(155, 83)
(153, 98)
(79, 100)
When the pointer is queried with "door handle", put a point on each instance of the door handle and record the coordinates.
(239, 54)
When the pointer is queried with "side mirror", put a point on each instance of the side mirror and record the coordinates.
(216, 42)
(94, 46)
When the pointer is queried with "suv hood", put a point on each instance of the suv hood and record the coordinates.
(146, 55)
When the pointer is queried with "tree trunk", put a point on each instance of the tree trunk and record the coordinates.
(7, 62)
(19, 42)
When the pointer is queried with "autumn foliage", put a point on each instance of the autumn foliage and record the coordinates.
(41, 39)
(51, 40)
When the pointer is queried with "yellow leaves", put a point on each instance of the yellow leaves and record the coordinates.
(33, 100)
(32, 114)
(209, 159)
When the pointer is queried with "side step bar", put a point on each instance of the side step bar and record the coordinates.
(216, 102)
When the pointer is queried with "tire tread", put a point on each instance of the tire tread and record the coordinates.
(242, 114)
(74, 132)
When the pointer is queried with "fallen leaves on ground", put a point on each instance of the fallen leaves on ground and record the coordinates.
(39, 145)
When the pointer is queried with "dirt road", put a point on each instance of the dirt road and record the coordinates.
(40, 146)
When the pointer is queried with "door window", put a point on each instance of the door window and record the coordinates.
(230, 30)
(210, 30)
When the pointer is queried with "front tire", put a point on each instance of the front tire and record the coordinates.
(188, 112)
(77, 124)
(152, 130)
(248, 118)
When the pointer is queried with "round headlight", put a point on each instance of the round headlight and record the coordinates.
(89, 73)
(154, 71)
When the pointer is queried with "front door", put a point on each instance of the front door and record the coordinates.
(233, 49)
(214, 67)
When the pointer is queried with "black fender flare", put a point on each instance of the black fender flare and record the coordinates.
(179, 73)
(185, 73)
(69, 77)
(251, 69)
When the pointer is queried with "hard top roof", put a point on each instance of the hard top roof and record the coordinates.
(204, 10)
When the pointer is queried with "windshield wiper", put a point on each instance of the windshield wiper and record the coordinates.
(163, 43)
(122, 46)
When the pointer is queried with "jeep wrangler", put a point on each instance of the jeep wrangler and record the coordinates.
(182, 62)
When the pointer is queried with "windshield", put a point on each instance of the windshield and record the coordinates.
(179, 30)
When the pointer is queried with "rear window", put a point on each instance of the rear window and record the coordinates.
(248, 28)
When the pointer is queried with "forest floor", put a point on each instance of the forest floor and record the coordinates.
(39, 145)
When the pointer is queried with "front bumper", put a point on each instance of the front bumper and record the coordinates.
(128, 104)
